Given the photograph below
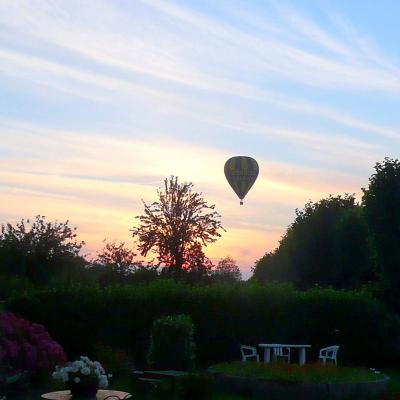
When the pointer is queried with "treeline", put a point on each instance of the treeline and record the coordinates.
(335, 242)
(47, 254)
(224, 316)
(28, 270)
(175, 229)
(341, 243)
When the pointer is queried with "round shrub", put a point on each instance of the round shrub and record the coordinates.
(171, 343)
(25, 346)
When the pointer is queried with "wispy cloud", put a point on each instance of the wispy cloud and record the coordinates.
(101, 100)
(285, 59)
(171, 57)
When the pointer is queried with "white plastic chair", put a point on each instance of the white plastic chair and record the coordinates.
(282, 352)
(328, 354)
(249, 352)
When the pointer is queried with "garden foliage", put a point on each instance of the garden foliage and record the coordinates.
(114, 360)
(25, 346)
(327, 244)
(224, 316)
(172, 343)
(382, 212)
(39, 250)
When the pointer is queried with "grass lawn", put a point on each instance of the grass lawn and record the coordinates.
(314, 373)
(394, 385)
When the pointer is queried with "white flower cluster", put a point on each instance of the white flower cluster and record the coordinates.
(82, 367)
(375, 371)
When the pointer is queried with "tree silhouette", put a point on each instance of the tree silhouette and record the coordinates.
(39, 250)
(381, 201)
(327, 244)
(382, 211)
(177, 226)
(227, 270)
(118, 257)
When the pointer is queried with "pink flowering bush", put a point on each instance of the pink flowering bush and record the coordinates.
(25, 346)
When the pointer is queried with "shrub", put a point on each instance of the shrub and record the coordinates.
(114, 360)
(27, 347)
(10, 285)
(171, 344)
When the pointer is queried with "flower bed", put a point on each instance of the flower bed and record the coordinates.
(290, 381)
(25, 346)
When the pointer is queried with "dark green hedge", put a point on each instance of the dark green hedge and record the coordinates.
(223, 316)
(172, 344)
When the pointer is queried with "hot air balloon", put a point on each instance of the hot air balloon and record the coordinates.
(241, 172)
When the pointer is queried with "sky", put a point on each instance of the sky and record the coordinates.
(101, 100)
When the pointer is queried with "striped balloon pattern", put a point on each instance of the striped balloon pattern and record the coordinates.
(241, 172)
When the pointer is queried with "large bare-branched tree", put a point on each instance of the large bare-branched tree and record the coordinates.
(177, 226)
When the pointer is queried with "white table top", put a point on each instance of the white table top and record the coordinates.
(101, 394)
(284, 345)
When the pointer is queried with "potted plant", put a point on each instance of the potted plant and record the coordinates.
(82, 377)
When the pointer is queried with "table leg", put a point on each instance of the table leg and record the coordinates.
(267, 355)
(302, 356)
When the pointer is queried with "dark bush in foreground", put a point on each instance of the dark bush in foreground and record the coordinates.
(114, 360)
(26, 346)
(223, 316)
(171, 344)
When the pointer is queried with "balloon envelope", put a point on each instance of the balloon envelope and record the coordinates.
(241, 172)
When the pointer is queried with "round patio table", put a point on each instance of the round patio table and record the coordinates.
(101, 395)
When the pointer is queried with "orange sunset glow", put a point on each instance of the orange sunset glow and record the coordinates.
(98, 183)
